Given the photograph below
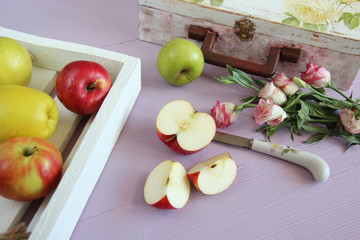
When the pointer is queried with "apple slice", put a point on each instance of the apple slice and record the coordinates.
(214, 175)
(167, 186)
(183, 129)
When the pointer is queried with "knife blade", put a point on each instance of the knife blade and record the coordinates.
(317, 166)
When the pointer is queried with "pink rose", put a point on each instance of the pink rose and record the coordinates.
(224, 114)
(349, 121)
(267, 111)
(270, 91)
(287, 85)
(316, 76)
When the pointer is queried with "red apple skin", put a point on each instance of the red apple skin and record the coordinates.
(82, 86)
(194, 178)
(163, 204)
(171, 142)
(25, 178)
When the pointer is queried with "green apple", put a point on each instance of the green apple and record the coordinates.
(15, 62)
(25, 111)
(180, 61)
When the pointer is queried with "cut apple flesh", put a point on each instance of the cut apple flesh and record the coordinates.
(192, 130)
(167, 186)
(214, 175)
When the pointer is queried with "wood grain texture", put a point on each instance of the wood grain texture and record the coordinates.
(270, 199)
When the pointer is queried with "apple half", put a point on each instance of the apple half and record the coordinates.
(167, 186)
(183, 129)
(214, 175)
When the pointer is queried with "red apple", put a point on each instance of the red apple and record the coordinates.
(167, 186)
(30, 168)
(214, 175)
(82, 86)
(183, 129)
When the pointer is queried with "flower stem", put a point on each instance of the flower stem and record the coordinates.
(253, 87)
(322, 120)
(241, 107)
(332, 86)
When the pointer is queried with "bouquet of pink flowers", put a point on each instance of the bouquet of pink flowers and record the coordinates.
(300, 103)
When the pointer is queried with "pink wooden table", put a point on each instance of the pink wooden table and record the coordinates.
(270, 199)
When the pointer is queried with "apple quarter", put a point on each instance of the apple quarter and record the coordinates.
(214, 175)
(167, 186)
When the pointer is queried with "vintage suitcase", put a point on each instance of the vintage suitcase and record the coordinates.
(262, 37)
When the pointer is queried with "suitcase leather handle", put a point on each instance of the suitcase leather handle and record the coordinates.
(208, 36)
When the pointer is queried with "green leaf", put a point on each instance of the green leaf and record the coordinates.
(290, 15)
(240, 79)
(216, 3)
(354, 23)
(270, 132)
(357, 14)
(310, 26)
(226, 80)
(294, 130)
(243, 75)
(285, 150)
(291, 104)
(351, 138)
(230, 69)
(302, 115)
(312, 128)
(300, 122)
(317, 137)
(346, 16)
(350, 20)
(260, 82)
(314, 108)
(293, 21)
(351, 95)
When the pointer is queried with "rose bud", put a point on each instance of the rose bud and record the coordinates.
(270, 91)
(224, 114)
(287, 85)
(267, 111)
(349, 121)
(316, 76)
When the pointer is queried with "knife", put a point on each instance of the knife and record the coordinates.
(315, 164)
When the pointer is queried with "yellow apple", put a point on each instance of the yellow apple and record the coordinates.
(15, 62)
(25, 111)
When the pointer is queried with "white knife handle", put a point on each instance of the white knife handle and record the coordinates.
(315, 164)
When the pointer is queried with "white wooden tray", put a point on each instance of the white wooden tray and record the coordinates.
(60, 211)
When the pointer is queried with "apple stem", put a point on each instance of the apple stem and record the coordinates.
(30, 151)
